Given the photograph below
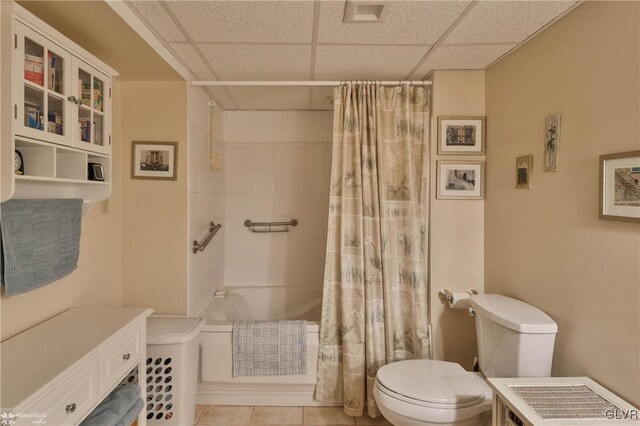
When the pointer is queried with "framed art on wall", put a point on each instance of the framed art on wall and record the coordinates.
(551, 143)
(461, 135)
(620, 186)
(524, 171)
(154, 160)
(460, 180)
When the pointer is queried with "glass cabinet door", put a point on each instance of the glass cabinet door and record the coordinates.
(92, 95)
(43, 109)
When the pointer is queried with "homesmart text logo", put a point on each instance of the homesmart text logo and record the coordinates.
(11, 418)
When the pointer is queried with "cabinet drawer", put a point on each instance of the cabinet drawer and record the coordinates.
(69, 402)
(120, 358)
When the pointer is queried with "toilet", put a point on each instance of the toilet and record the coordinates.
(515, 339)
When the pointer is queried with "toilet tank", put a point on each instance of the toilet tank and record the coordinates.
(515, 339)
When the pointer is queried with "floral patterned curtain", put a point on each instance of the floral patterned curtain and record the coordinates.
(374, 308)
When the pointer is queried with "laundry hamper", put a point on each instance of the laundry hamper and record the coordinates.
(172, 369)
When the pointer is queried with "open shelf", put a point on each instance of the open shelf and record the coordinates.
(59, 180)
(71, 165)
(45, 162)
(37, 158)
(47, 187)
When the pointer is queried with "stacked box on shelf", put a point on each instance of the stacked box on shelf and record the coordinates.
(85, 130)
(33, 116)
(55, 123)
(33, 69)
(53, 62)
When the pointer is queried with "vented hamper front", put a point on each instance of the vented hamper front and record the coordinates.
(171, 369)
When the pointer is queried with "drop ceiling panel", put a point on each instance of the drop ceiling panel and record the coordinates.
(505, 21)
(271, 97)
(462, 57)
(245, 21)
(366, 62)
(406, 22)
(159, 20)
(258, 62)
(190, 58)
(274, 40)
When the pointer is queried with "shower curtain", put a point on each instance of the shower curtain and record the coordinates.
(374, 308)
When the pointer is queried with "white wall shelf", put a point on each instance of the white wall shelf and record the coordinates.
(58, 114)
(59, 180)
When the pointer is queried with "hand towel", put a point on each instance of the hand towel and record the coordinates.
(39, 242)
(269, 348)
(115, 407)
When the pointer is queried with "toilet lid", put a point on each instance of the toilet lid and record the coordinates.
(435, 382)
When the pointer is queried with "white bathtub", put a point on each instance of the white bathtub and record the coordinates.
(217, 386)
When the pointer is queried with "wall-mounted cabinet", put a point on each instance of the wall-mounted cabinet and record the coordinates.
(57, 120)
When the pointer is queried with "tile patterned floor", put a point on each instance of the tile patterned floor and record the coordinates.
(235, 415)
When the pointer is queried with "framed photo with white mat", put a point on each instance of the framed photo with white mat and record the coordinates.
(461, 135)
(154, 160)
(460, 180)
(620, 186)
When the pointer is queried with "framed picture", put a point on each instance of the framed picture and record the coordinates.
(154, 160)
(551, 143)
(524, 172)
(461, 135)
(620, 186)
(460, 180)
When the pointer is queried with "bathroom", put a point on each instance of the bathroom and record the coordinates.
(264, 153)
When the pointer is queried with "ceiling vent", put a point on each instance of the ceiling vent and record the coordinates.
(364, 11)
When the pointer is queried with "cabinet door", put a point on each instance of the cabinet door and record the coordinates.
(92, 117)
(43, 107)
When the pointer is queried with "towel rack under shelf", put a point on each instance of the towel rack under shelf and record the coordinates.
(213, 230)
(267, 226)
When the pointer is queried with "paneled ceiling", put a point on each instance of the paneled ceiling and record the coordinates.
(308, 40)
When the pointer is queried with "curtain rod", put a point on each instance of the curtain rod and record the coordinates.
(305, 83)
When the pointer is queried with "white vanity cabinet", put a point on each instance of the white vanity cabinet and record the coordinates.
(55, 112)
(61, 369)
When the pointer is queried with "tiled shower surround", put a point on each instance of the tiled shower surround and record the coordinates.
(277, 167)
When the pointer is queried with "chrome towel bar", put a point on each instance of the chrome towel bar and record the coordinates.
(260, 226)
(213, 230)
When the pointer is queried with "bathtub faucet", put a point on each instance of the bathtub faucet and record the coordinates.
(220, 294)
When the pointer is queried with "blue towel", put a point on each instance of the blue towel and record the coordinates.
(116, 407)
(132, 414)
(39, 242)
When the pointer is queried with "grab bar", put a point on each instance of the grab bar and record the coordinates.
(213, 230)
(269, 225)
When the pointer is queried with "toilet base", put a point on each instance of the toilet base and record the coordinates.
(397, 419)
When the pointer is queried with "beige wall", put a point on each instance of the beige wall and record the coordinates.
(98, 279)
(154, 224)
(119, 249)
(456, 225)
(136, 254)
(546, 245)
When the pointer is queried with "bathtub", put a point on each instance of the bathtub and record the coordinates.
(217, 386)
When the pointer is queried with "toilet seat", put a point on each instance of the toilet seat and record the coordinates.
(433, 392)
